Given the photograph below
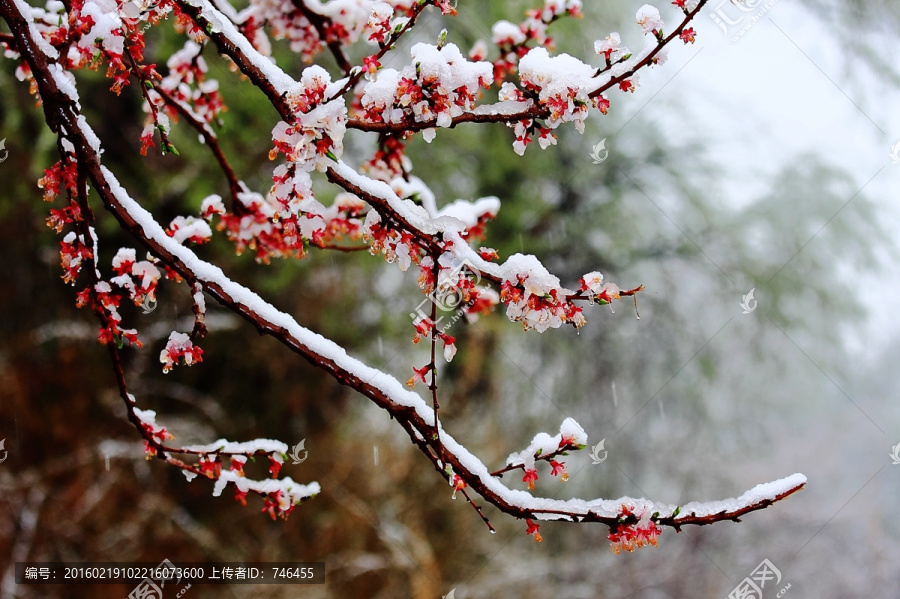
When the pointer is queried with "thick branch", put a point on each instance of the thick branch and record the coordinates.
(239, 50)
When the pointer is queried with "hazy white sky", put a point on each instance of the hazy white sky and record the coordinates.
(783, 90)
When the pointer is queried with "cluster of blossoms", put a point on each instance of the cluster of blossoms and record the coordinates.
(535, 298)
(284, 221)
(382, 23)
(59, 178)
(279, 496)
(513, 40)
(313, 141)
(604, 293)
(379, 24)
(150, 429)
(439, 85)
(256, 226)
(344, 218)
(545, 447)
(190, 229)
(397, 244)
(73, 252)
(564, 85)
(104, 297)
(187, 87)
(139, 278)
(389, 161)
(101, 296)
(455, 288)
(180, 350)
(105, 301)
(95, 31)
(253, 226)
(635, 535)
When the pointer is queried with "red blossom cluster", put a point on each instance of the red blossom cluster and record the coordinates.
(641, 531)
(185, 91)
(180, 350)
(274, 504)
(156, 434)
(432, 90)
(538, 308)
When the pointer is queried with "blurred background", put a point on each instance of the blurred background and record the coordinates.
(756, 159)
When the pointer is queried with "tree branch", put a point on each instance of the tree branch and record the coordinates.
(413, 414)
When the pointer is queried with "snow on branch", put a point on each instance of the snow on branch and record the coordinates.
(381, 204)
